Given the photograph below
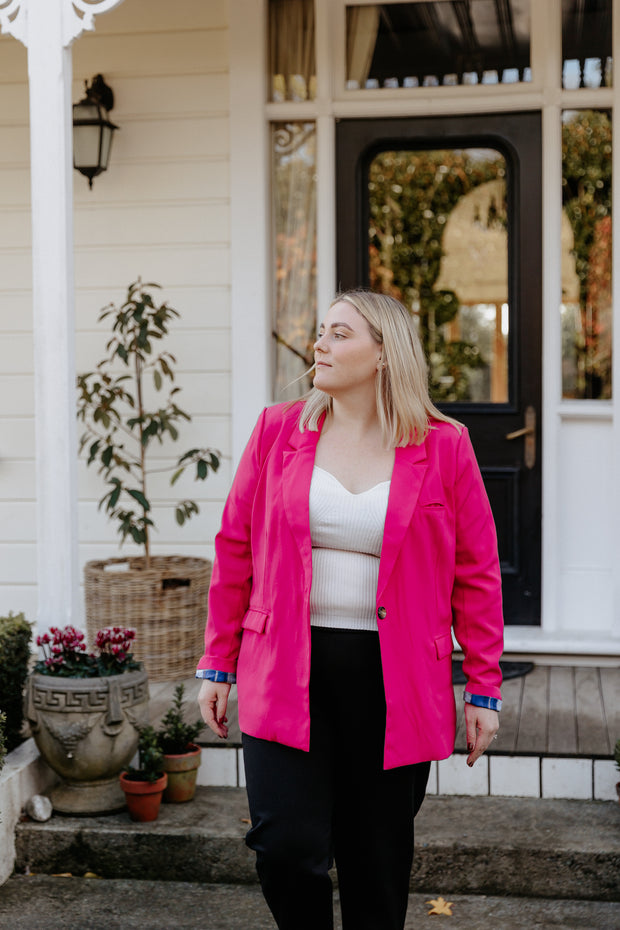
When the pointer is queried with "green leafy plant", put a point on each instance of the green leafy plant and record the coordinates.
(120, 430)
(174, 733)
(15, 636)
(150, 757)
(65, 655)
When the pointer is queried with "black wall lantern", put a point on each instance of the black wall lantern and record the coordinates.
(92, 129)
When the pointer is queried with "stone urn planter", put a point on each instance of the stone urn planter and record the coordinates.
(86, 729)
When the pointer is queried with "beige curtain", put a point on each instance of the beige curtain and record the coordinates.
(362, 29)
(294, 250)
(291, 49)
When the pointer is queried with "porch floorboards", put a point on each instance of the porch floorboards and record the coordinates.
(559, 711)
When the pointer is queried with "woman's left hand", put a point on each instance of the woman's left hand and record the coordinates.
(482, 725)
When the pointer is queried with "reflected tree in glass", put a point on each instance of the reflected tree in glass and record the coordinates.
(586, 196)
(411, 197)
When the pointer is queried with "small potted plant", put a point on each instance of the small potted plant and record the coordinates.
(85, 710)
(126, 411)
(144, 786)
(181, 754)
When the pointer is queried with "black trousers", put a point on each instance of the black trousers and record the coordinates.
(336, 801)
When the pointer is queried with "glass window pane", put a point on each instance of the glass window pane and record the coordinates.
(294, 251)
(438, 43)
(438, 241)
(586, 43)
(291, 50)
(586, 254)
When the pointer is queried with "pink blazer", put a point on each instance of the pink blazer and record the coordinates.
(438, 571)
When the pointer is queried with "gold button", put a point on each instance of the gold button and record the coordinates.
(382, 613)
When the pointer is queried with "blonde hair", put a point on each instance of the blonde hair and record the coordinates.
(403, 402)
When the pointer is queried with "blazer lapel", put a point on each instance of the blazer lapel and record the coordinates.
(410, 465)
(297, 465)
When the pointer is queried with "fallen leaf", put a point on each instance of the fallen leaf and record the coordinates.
(439, 906)
(62, 875)
(245, 820)
(91, 875)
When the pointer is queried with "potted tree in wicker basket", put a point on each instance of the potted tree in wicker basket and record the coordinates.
(164, 598)
(181, 754)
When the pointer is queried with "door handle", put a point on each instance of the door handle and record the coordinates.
(529, 432)
(525, 431)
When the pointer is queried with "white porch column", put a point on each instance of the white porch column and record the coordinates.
(51, 158)
(47, 28)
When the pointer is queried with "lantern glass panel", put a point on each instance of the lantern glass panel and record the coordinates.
(106, 144)
(86, 146)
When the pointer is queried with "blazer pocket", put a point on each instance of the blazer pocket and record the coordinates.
(255, 620)
(443, 645)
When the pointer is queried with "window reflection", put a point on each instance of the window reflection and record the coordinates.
(291, 50)
(428, 44)
(586, 254)
(438, 241)
(294, 251)
(586, 43)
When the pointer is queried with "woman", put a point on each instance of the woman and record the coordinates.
(356, 536)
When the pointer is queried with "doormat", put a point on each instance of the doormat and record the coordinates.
(509, 670)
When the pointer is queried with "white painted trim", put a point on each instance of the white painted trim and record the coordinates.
(326, 214)
(14, 20)
(585, 410)
(615, 283)
(552, 297)
(326, 163)
(79, 16)
(25, 773)
(250, 219)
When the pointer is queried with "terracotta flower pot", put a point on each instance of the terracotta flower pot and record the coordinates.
(182, 770)
(143, 797)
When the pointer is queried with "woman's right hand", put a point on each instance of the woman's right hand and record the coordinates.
(213, 700)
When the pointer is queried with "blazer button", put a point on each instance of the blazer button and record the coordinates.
(382, 613)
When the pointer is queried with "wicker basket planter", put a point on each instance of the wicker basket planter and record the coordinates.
(165, 604)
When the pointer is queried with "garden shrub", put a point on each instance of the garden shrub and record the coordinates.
(15, 636)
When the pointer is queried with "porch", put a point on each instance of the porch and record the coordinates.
(558, 729)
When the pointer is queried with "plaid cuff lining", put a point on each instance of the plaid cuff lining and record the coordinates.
(211, 674)
(480, 700)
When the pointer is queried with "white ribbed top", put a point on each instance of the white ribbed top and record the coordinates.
(347, 533)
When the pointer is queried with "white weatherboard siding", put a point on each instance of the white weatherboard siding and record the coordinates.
(18, 571)
(160, 212)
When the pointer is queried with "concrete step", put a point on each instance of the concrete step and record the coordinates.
(464, 845)
(42, 902)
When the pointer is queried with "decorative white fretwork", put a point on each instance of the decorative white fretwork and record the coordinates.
(13, 18)
(78, 16)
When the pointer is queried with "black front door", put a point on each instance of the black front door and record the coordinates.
(445, 213)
